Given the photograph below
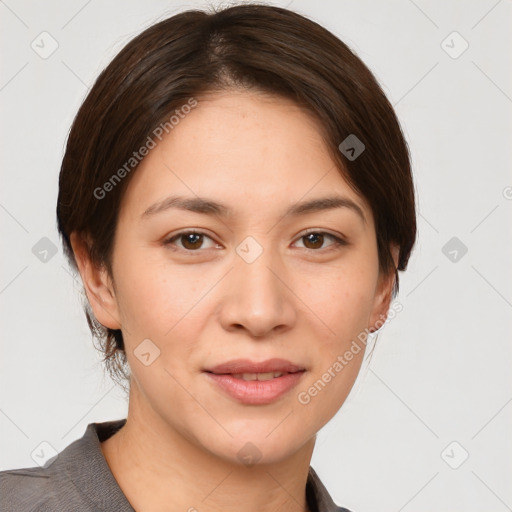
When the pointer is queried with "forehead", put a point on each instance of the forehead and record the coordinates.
(249, 150)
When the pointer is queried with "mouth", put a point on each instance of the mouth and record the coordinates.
(255, 383)
(248, 367)
(258, 376)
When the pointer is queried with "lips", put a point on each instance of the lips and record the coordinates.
(245, 366)
(258, 376)
(255, 383)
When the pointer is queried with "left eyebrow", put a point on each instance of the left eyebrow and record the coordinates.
(210, 207)
(325, 203)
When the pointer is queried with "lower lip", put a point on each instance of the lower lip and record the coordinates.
(256, 392)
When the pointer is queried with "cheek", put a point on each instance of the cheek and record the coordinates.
(343, 302)
(142, 296)
(343, 298)
(163, 303)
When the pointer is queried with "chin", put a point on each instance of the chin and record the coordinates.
(257, 445)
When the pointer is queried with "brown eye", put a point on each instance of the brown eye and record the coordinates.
(189, 241)
(315, 240)
(192, 240)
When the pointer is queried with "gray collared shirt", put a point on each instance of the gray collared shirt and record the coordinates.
(79, 479)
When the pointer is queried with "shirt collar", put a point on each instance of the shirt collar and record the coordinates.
(88, 469)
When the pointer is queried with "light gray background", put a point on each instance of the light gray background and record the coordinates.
(441, 369)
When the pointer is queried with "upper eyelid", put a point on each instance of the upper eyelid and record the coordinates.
(298, 237)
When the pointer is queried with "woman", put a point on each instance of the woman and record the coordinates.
(236, 195)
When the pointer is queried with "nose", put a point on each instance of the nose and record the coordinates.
(258, 297)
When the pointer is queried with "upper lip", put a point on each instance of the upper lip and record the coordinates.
(247, 366)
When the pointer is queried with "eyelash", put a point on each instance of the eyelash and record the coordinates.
(338, 242)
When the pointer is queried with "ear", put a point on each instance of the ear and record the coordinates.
(383, 295)
(97, 283)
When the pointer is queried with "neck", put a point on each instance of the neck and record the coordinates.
(158, 469)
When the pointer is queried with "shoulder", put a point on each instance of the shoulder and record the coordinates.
(28, 489)
(318, 497)
(78, 478)
(341, 509)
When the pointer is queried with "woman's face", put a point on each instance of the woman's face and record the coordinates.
(253, 280)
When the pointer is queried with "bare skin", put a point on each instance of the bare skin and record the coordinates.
(202, 304)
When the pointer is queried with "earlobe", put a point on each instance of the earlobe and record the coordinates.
(97, 283)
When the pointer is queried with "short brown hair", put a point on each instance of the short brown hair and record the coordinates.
(261, 47)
